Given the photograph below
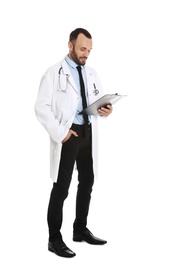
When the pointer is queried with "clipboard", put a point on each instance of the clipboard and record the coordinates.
(108, 99)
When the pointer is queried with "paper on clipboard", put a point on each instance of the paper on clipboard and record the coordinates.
(102, 102)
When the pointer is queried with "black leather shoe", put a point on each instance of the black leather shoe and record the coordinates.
(60, 249)
(88, 237)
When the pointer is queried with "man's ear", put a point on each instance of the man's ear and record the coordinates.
(70, 46)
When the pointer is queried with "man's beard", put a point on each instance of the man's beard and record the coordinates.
(75, 58)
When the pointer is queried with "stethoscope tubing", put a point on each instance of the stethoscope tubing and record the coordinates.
(96, 91)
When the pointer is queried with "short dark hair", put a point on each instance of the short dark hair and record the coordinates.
(74, 34)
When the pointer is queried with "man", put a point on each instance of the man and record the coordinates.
(65, 90)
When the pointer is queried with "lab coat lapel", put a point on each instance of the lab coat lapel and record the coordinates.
(89, 79)
(90, 84)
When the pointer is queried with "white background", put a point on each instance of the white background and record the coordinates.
(132, 198)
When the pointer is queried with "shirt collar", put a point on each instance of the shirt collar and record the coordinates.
(72, 63)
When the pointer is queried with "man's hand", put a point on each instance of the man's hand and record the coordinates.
(105, 111)
(71, 132)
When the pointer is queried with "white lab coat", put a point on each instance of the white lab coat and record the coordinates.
(56, 106)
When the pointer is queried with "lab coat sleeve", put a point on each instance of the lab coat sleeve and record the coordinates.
(44, 112)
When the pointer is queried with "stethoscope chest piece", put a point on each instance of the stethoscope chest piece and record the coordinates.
(96, 92)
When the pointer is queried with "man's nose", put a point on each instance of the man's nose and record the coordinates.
(86, 53)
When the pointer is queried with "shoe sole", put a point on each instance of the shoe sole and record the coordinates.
(89, 242)
(52, 251)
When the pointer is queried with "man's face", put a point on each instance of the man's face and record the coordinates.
(80, 50)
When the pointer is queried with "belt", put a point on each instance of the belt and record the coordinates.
(76, 126)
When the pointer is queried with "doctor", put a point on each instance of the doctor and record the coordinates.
(73, 138)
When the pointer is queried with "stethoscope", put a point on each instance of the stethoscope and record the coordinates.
(96, 91)
(64, 89)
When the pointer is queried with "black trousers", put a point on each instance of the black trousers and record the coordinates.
(75, 149)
